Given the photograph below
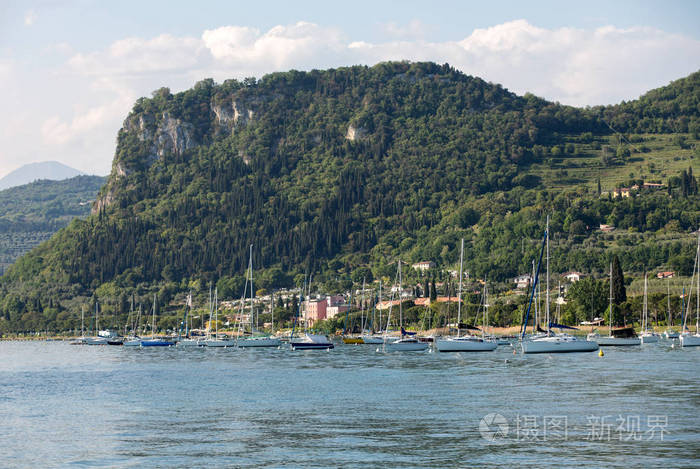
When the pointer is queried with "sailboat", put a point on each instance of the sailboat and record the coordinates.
(96, 340)
(256, 339)
(466, 343)
(621, 336)
(156, 341)
(670, 333)
(367, 336)
(688, 340)
(647, 336)
(214, 310)
(407, 342)
(82, 340)
(134, 340)
(551, 342)
(188, 341)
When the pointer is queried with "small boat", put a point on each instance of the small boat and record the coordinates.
(311, 342)
(551, 342)
(686, 339)
(132, 342)
(256, 339)
(260, 341)
(670, 333)
(409, 344)
(467, 343)
(372, 339)
(355, 340)
(95, 341)
(617, 337)
(189, 342)
(156, 341)
(647, 336)
(153, 342)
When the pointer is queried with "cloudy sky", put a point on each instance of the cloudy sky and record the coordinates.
(71, 70)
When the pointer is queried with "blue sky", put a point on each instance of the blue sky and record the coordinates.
(72, 69)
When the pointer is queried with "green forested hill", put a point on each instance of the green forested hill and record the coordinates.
(31, 213)
(341, 171)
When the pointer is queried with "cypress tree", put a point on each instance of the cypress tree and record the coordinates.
(619, 293)
(433, 291)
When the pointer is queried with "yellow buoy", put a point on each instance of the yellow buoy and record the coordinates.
(600, 353)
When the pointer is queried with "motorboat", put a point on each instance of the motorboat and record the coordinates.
(311, 342)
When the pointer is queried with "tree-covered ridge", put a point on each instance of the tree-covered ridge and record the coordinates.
(341, 171)
(674, 108)
(47, 205)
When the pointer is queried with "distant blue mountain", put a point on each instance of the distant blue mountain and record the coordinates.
(52, 170)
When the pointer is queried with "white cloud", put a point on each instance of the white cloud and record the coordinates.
(30, 17)
(77, 108)
(301, 45)
(130, 56)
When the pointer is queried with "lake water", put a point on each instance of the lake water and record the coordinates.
(63, 405)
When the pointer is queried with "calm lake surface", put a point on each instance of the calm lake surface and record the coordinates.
(63, 405)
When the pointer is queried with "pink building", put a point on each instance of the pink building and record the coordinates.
(315, 310)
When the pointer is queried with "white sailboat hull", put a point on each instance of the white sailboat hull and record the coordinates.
(190, 343)
(557, 344)
(464, 345)
(95, 341)
(406, 345)
(219, 343)
(688, 340)
(649, 338)
(618, 341)
(671, 334)
(259, 342)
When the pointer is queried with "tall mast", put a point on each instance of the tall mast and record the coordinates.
(250, 273)
(154, 315)
(697, 295)
(547, 293)
(459, 294)
(644, 308)
(401, 291)
(535, 285)
(668, 300)
(610, 310)
(486, 311)
(362, 308)
(379, 300)
(216, 312)
(97, 318)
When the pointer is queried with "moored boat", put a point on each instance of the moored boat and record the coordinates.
(311, 342)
